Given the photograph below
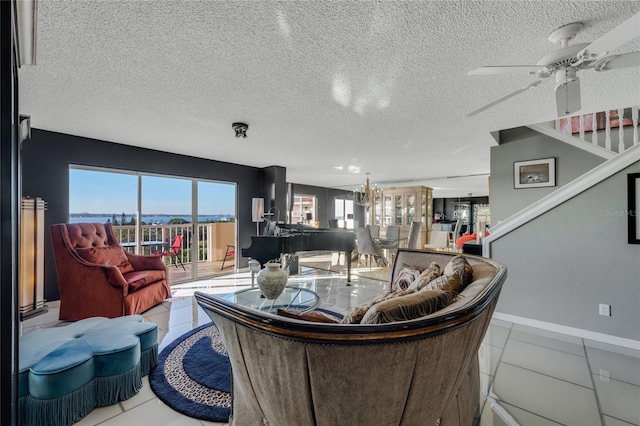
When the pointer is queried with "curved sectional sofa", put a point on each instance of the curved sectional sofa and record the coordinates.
(423, 371)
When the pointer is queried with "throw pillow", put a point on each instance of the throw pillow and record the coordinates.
(313, 316)
(408, 307)
(110, 255)
(392, 294)
(450, 282)
(429, 274)
(459, 265)
(405, 276)
(355, 316)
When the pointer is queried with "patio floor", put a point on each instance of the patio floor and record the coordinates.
(205, 269)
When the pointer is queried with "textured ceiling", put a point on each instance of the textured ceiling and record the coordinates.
(378, 85)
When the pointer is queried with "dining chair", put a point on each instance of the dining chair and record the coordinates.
(414, 235)
(391, 241)
(374, 230)
(366, 246)
(455, 235)
(333, 223)
(438, 240)
(393, 234)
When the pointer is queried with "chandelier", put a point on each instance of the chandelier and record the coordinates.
(367, 196)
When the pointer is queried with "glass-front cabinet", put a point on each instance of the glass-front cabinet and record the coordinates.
(402, 206)
(397, 210)
(411, 207)
(377, 218)
(481, 213)
(387, 210)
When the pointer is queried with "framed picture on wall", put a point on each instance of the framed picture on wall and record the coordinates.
(633, 214)
(534, 173)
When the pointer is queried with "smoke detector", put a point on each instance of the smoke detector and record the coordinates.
(240, 129)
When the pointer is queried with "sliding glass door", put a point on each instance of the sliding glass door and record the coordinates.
(216, 206)
(167, 218)
(189, 222)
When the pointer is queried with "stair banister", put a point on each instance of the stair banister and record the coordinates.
(562, 194)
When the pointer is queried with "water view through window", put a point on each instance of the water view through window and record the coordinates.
(99, 196)
(201, 212)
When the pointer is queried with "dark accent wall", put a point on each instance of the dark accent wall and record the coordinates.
(275, 191)
(438, 206)
(326, 202)
(446, 206)
(47, 156)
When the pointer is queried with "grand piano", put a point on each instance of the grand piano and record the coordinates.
(291, 239)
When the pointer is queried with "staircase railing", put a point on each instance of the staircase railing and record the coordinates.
(562, 194)
(608, 132)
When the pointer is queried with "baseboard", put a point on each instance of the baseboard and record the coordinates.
(585, 334)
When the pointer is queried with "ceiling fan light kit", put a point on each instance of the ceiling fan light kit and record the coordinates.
(566, 61)
(567, 92)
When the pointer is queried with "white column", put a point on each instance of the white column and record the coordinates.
(581, 126)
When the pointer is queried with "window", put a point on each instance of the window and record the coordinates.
(149, 210)
(304, 209)
(102, 196)
(344, 213)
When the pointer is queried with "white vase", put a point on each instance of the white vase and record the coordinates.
(272, 280)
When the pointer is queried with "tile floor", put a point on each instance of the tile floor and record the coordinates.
(529, 376)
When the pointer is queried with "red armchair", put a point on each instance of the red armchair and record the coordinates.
(97, 277)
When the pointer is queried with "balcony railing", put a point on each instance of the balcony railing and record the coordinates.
(211, 239)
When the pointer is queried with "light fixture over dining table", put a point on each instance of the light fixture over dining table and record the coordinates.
(366, 195)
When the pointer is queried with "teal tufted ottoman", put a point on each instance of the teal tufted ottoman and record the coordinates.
(66, 372)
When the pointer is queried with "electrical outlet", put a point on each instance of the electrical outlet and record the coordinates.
(605, 375)
(605, 309)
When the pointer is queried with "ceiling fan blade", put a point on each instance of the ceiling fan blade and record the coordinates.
(505, 97)
(618, 36)
(568, 97)
(625, 60)
(507, 69)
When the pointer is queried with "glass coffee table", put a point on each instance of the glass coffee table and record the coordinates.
(292, 299)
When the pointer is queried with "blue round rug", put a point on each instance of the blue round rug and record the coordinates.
(193, 375)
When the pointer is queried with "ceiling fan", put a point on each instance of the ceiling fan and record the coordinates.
(565, 63)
